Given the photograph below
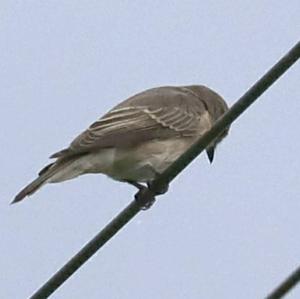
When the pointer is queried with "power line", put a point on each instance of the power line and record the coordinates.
(286, 285)
(168, 175)
(87, 251)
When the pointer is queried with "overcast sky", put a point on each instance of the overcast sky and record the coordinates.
(226, 230)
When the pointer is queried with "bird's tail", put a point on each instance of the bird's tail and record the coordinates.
(44, 176)
(31, 188)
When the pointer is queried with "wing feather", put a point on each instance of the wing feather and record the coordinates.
(176, 119)
(129, 125)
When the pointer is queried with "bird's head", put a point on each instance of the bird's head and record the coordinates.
(216, 107)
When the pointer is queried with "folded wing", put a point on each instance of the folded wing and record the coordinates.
(132, 123)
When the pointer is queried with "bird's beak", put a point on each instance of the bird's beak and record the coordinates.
(210, 153)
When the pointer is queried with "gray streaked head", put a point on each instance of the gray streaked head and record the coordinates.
(216, 107)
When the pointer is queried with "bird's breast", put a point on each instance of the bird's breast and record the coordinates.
(143, 162)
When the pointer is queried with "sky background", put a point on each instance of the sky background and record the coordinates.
(226, 230)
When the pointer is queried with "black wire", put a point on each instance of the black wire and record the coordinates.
(286, 285)
(87, 251)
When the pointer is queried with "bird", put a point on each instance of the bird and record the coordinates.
(139, 138)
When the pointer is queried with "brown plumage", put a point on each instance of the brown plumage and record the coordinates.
(139, 126)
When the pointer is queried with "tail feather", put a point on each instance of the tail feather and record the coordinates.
(31, 188)
(44, 176)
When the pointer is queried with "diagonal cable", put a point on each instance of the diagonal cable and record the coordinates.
(169, 174)
(286, 286)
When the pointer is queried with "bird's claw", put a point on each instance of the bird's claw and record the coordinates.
(145, 198)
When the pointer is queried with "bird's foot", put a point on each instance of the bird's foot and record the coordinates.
(145, 198)
(146, 195)
(135, 184)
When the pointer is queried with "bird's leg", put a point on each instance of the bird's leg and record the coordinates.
(158, 191)
(135, 184)
(144, 197)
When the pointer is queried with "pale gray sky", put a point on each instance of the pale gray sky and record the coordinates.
(226, 230)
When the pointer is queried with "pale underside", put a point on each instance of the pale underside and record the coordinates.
(140, 163)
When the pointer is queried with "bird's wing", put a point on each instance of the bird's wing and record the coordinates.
(140, 119)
